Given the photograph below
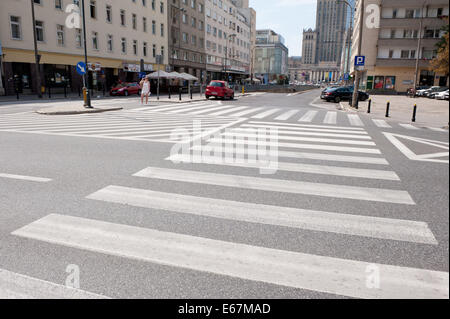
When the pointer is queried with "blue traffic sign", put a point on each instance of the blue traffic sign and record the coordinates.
(346, 77)
(360, 60)
(81, 68)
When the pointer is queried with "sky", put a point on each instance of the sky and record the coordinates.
(286, 17)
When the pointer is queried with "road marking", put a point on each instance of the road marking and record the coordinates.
(287, 115)
(26, 178)
(17, 286)
(355, 120)
(330, 118)
(280, 267)
(219, 141)
(304, 155)
(186, 109)
(304, 129)
(210, 109)
(265, 114)
(293, 167)
(409, 126)
(240, 114)
(305, 132)
(168, 107)
(239, 108)
(437, 129)
(308, 117)
(381, 123)
(366, 226)
(305, 139)
(278, 185)
(307, 125)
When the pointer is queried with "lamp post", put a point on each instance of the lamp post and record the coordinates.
(86, 76)
(357, 72)
(349, 38)
(226, 53)
(419, 44)
(37, 57)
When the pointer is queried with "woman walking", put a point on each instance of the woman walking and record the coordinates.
(145, 90)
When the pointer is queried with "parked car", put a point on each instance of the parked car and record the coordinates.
(342, 93)
(441, 95)
(126, 89)
(422, 90)
(430, 90)
(432, 94)
(219, 89)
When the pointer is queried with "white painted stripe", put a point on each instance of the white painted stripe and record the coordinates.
(265, 114)
(228, 111)
(291, 167)
(210, 109)
(254, 110)
(330, 118)
(174, 106)
(409, 126)
(355, 120)
(303, 132)
(366, 226)
(308, 117)
(187, 109)
(298, 145)
(303, 155)
(287, 115)
(142, 130)
(381, 123)
(304, 139)
(25, 178)
(280, 267)
(306, 125)
(437, 129)
(304, 129)
(278, 185)
(17, 286)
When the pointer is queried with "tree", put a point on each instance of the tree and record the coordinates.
(440, 63)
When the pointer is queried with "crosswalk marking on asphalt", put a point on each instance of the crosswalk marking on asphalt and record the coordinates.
(207, 110)
(355, 120)
(17, 286)
(250, 129)
(308, 117)
(294, 167)
(330, 118)
(265, 114)
(247, 112)
(304, 139)
(287, 115)
(381, 123)
(188, 108)
(223, 112)
(274, 185)
(169, 106)
(287, 268)
(437, 129)
(303, 129)
(232, 141)
(358, 225)
(347, 128)
(408, 126)
(26, 178)
(305, 155)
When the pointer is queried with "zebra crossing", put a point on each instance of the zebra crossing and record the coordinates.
(278, 114)
(314, 272)
(126, 125)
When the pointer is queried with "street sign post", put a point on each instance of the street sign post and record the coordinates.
(81, 68)
(346, 77)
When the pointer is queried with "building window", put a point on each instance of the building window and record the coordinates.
(58, 4)
(95, 40)
(144, 48)
(123, 20)
(135, 47)
(162, 29)
(15, 28)
(110, 43)
(60, 34)
(124, 45)
(39, 31)
(154, 50)
(78, 38)
(144, 24)
(134, 21)
(93, 9)
(108, 14)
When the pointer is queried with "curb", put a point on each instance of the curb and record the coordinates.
(85, 111)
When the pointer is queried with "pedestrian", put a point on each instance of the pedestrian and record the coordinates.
(145, 89)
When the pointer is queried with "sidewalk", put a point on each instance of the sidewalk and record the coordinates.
(434, 113)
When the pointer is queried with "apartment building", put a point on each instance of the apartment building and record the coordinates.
(407, 33)
(187, 37)
(228, 37)
(119, 35)
(271, 56)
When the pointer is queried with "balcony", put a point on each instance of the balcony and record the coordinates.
(411, 63)
(407, 42)
(428, 23)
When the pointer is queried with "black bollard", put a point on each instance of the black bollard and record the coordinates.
(414, 113)
(79, 91)
(369, 106)
(169, 93)
(17, 93)
(388, 105)
(191, 94)
(181, 89)
(65, 91)
(49, 93)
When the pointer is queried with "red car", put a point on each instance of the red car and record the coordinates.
(126, 89)
(219, 89)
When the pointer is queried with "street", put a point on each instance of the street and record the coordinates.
(356, 207)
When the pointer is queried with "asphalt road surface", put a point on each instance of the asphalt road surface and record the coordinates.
(342, 205)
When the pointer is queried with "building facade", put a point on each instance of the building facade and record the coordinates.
(407, 34)
(271, 56)
(119, 35)
(187, 37)
(228, 39)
